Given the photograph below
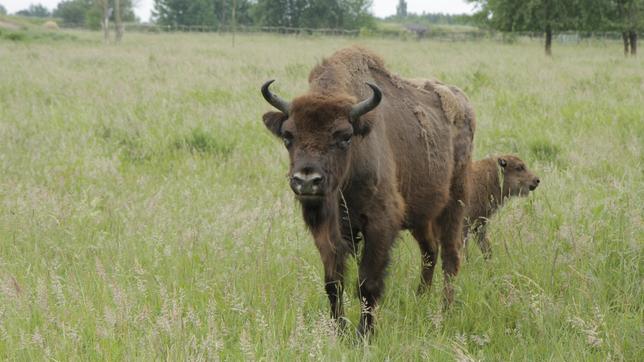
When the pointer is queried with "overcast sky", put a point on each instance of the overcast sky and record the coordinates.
(380, 8)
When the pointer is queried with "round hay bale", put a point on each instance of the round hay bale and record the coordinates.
(50, 25)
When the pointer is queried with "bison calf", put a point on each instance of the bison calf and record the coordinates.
(492, 180)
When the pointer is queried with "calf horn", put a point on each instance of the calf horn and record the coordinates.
(274, 100)
(368, 104)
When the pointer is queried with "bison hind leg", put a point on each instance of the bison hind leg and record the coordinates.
(450, 232)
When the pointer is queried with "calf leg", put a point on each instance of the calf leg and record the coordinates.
(375, 257)
(481, 239)
(428, 244)
(466, 236)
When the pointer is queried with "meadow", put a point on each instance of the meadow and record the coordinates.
(145, 213)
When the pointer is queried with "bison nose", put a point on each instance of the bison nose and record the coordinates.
(306, 183)
(535, 183)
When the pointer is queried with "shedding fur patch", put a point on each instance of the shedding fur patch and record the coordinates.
(425, 129)
(450, 104)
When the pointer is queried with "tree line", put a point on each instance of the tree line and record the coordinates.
(336, 14)
(88, 13)
(432, 18)
(548, 16)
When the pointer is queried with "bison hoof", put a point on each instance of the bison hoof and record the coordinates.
(365, 329)
(362, 334)
(423, 288)
(340, 326)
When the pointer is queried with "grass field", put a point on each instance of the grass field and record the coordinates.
(145, 213)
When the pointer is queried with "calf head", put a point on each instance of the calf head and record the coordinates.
(317, 130)
(517, 179)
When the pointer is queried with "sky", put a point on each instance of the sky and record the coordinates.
(381, 8)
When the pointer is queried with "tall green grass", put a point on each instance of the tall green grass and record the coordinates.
(145, 214)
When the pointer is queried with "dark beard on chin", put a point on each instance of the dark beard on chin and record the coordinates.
(317, 210)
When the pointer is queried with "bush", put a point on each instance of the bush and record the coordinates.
(12, 35)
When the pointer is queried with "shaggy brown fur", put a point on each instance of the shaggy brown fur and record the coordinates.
(400, 166)
(492, 181)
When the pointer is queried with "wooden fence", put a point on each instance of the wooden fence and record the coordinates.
(436, 34)
(153, 28)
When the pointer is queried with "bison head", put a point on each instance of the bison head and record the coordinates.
(517, 179)
(317, 130)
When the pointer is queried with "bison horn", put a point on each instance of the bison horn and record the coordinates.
(368, 104)
(274, 100)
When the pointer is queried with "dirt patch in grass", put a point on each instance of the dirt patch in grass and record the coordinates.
(8, 25)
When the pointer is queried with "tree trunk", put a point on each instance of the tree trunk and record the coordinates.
(223, 16)
(625, 36)
(548, 40)
(117, 20)
(633, 38)
(106, 21)
(234, 19)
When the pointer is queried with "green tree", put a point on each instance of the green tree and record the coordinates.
(3, 10)
(624, 16)
(358, 15)
(336, 14)
(401, 9)
(200, 12)
(73, 12)
(530, 15)
(37, 11)
(593, 15)
(224, 9)
(435, 18)
(89, 13)
(278, 12)
(627, 16)
(322, 14)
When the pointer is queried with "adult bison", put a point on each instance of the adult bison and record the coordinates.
(395, 160)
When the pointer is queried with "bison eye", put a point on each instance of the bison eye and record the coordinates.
(287, 138)
(344, 142)
(521, 168)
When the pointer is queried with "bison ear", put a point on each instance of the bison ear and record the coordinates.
(362, 125)
(503, 162)
(273, 121)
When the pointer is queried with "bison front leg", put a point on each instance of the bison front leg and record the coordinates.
(375, 257)
(334, 286)
(333, 252)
